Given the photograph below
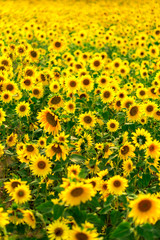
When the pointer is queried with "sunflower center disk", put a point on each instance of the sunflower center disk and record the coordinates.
(125, 150)
(144, 205)
(87, 119)
(81, 236)
(41, 164)
(117, 183)
(58, 232)
(21, 193)
(15, 184)
(51, 119)
(133, 111)
(77, 192)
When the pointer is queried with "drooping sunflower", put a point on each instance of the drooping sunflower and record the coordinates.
(127, 150)
(78, 233)
(21, 194)
(153, 149)
(117, 185)
(127, 166)
(145, 209)
(55, 101)
(11, 140)
(140, 138)
(2, 116)
(49, 121)
(107, 95)
(87, 120)
(40, 165)
(23, 109)
(58, 230)
(29, 218)
(77, 193)
(56, 149)
(134, 112)
(112, 125)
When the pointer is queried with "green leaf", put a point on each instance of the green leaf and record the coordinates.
(146, 231)
(153, 168)
(122, 231)
(58, 211)
(77, 158)
(105, 210)
(45, 207)
(115, 217)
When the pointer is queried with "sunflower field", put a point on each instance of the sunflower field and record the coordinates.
(79, 120)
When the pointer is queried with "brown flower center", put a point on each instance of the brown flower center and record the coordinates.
(9, 87)
(124, 150)
(77, 192)
(112, 125)
(86, 82)
(29, 72)
(142, 92)
(5, 63)
(151, 148)
(58, 232)
(41, 164)
(15, 184)
(56, 149)
(56, 100)
(134, 111)
(6, 96)
(106, 94)
(57, 44)
(87, 119)
(149, 108)
(71, 106)
(30, 148)
(21, 193)
(51, 119)
(103, 80)
(117, 183)
(22, 108)
(36, 91)
(144, 205)
(33, 54)
(96, 63)
(10, 139)
(27, 82)
(158, 113)
(73, 83)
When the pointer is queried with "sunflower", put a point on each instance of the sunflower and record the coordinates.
(62, 138)
(56, 149)
(42, 142)
(77, 193)
(27, 83)
(11, 140)
(49, 121)
(86, 83)
(150, 108)
(37, 91)
(156, 115)
(134, 112)
(96, 64)
(117, 185)
(40, 165)
(112, 125)
(127, 150)
(58, 230)
(78, 233)
(94, 181)
(10, 86)
(58, 45)
(30, 150)
(145, 209)
(23, 109)
(127, 102)
(70, 107)
(1, 150)
(54, 87)
(154, 51)
(72, 84)
(107, 151)
(33, 55)
(103, 81)
(127, 166)
(142, 93)
(87, 120)
(55, 101)
(29, 218)
(6, 96)
(107, 95)
(153, 149)
(12, 184)
(21, 194)
(29, 71)
(4, 219)
(2, 116)
(140, 138)
(73, 171)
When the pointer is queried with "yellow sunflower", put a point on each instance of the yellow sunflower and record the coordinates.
(56, 149)
(112, 125)
(127, 150)
(107, 95)
(29, 218)
(77, 193)
(40, 166)
(87, 120)
(140, 138)
(153, 149)
(134, 112)
(6, 96)
(145, 209)
(2, 116)
(58, 230)
(23, 109)
(49, 121)
(127, 166)
(150, 108)
(11, 140)
(117, 185)
(12, 184)
(21, 194)
(78, 233)
(4, 219)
